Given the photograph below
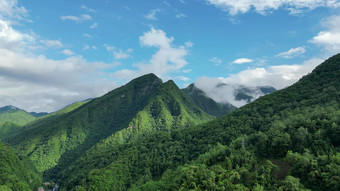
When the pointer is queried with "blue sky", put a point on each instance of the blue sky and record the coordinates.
(53, 53)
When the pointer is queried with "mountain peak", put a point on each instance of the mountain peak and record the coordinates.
(8, 108)
(147, 77)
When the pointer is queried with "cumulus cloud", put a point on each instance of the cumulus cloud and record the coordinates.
(11, 9)
(80, 19)
(33, 82)
(234, 7)
(329, 39)
(167, 59)
(293, 52)
(11, 38)
(152, 14)
(242, 61)
(37, 83)
(279, 76)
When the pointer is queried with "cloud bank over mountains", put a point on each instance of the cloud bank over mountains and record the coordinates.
(33, 80)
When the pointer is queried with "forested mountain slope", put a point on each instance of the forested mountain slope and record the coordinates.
(12, 119)
(16, 174)
(207, 104)
(288, 140)
(137, 109)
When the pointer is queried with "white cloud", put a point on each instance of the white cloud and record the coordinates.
(120, 54)
(167, 3)
(94, 25)
(152, 14)
(189, 44)
(180, 16)
(36, 83)
(182, 78)
(94, 48)
(186, 70)
(87, 35)
(67, 52)
(81, 18)
(234, 7)
(167, 59)
(242, 61)
(216, 61)
(293, 52)
(277, 76)
(52, 43)
(156, 38)
(10, 9)
(33, 82)
(330, 38)
(221, 94)
(86, 47)
(11, 38)
(88, 9)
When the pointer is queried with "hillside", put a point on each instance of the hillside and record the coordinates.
(16, 173)
(207, 104)
(142, 106)
(287, 140)
(12, 119)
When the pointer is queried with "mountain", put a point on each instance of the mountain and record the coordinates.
(244, 93)
(39, 114)
(12, 119)
(134, 110)
(287, 140)
(207, 104)
(231, 93)
(16, 173)
(249, 94)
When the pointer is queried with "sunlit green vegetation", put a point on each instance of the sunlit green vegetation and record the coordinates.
(288, 140)
(16, 174)
(147, 135)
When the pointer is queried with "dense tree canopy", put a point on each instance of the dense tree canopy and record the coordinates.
(148, 135)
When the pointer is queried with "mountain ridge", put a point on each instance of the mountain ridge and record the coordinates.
(296, 128)
(207, 104)
(71, 134)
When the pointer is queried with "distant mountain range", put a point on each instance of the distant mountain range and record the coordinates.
(12, 119)
(150, 135)
(234, 94)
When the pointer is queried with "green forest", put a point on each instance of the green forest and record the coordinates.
(149, 135)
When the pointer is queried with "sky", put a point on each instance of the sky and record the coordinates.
(54, 53)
